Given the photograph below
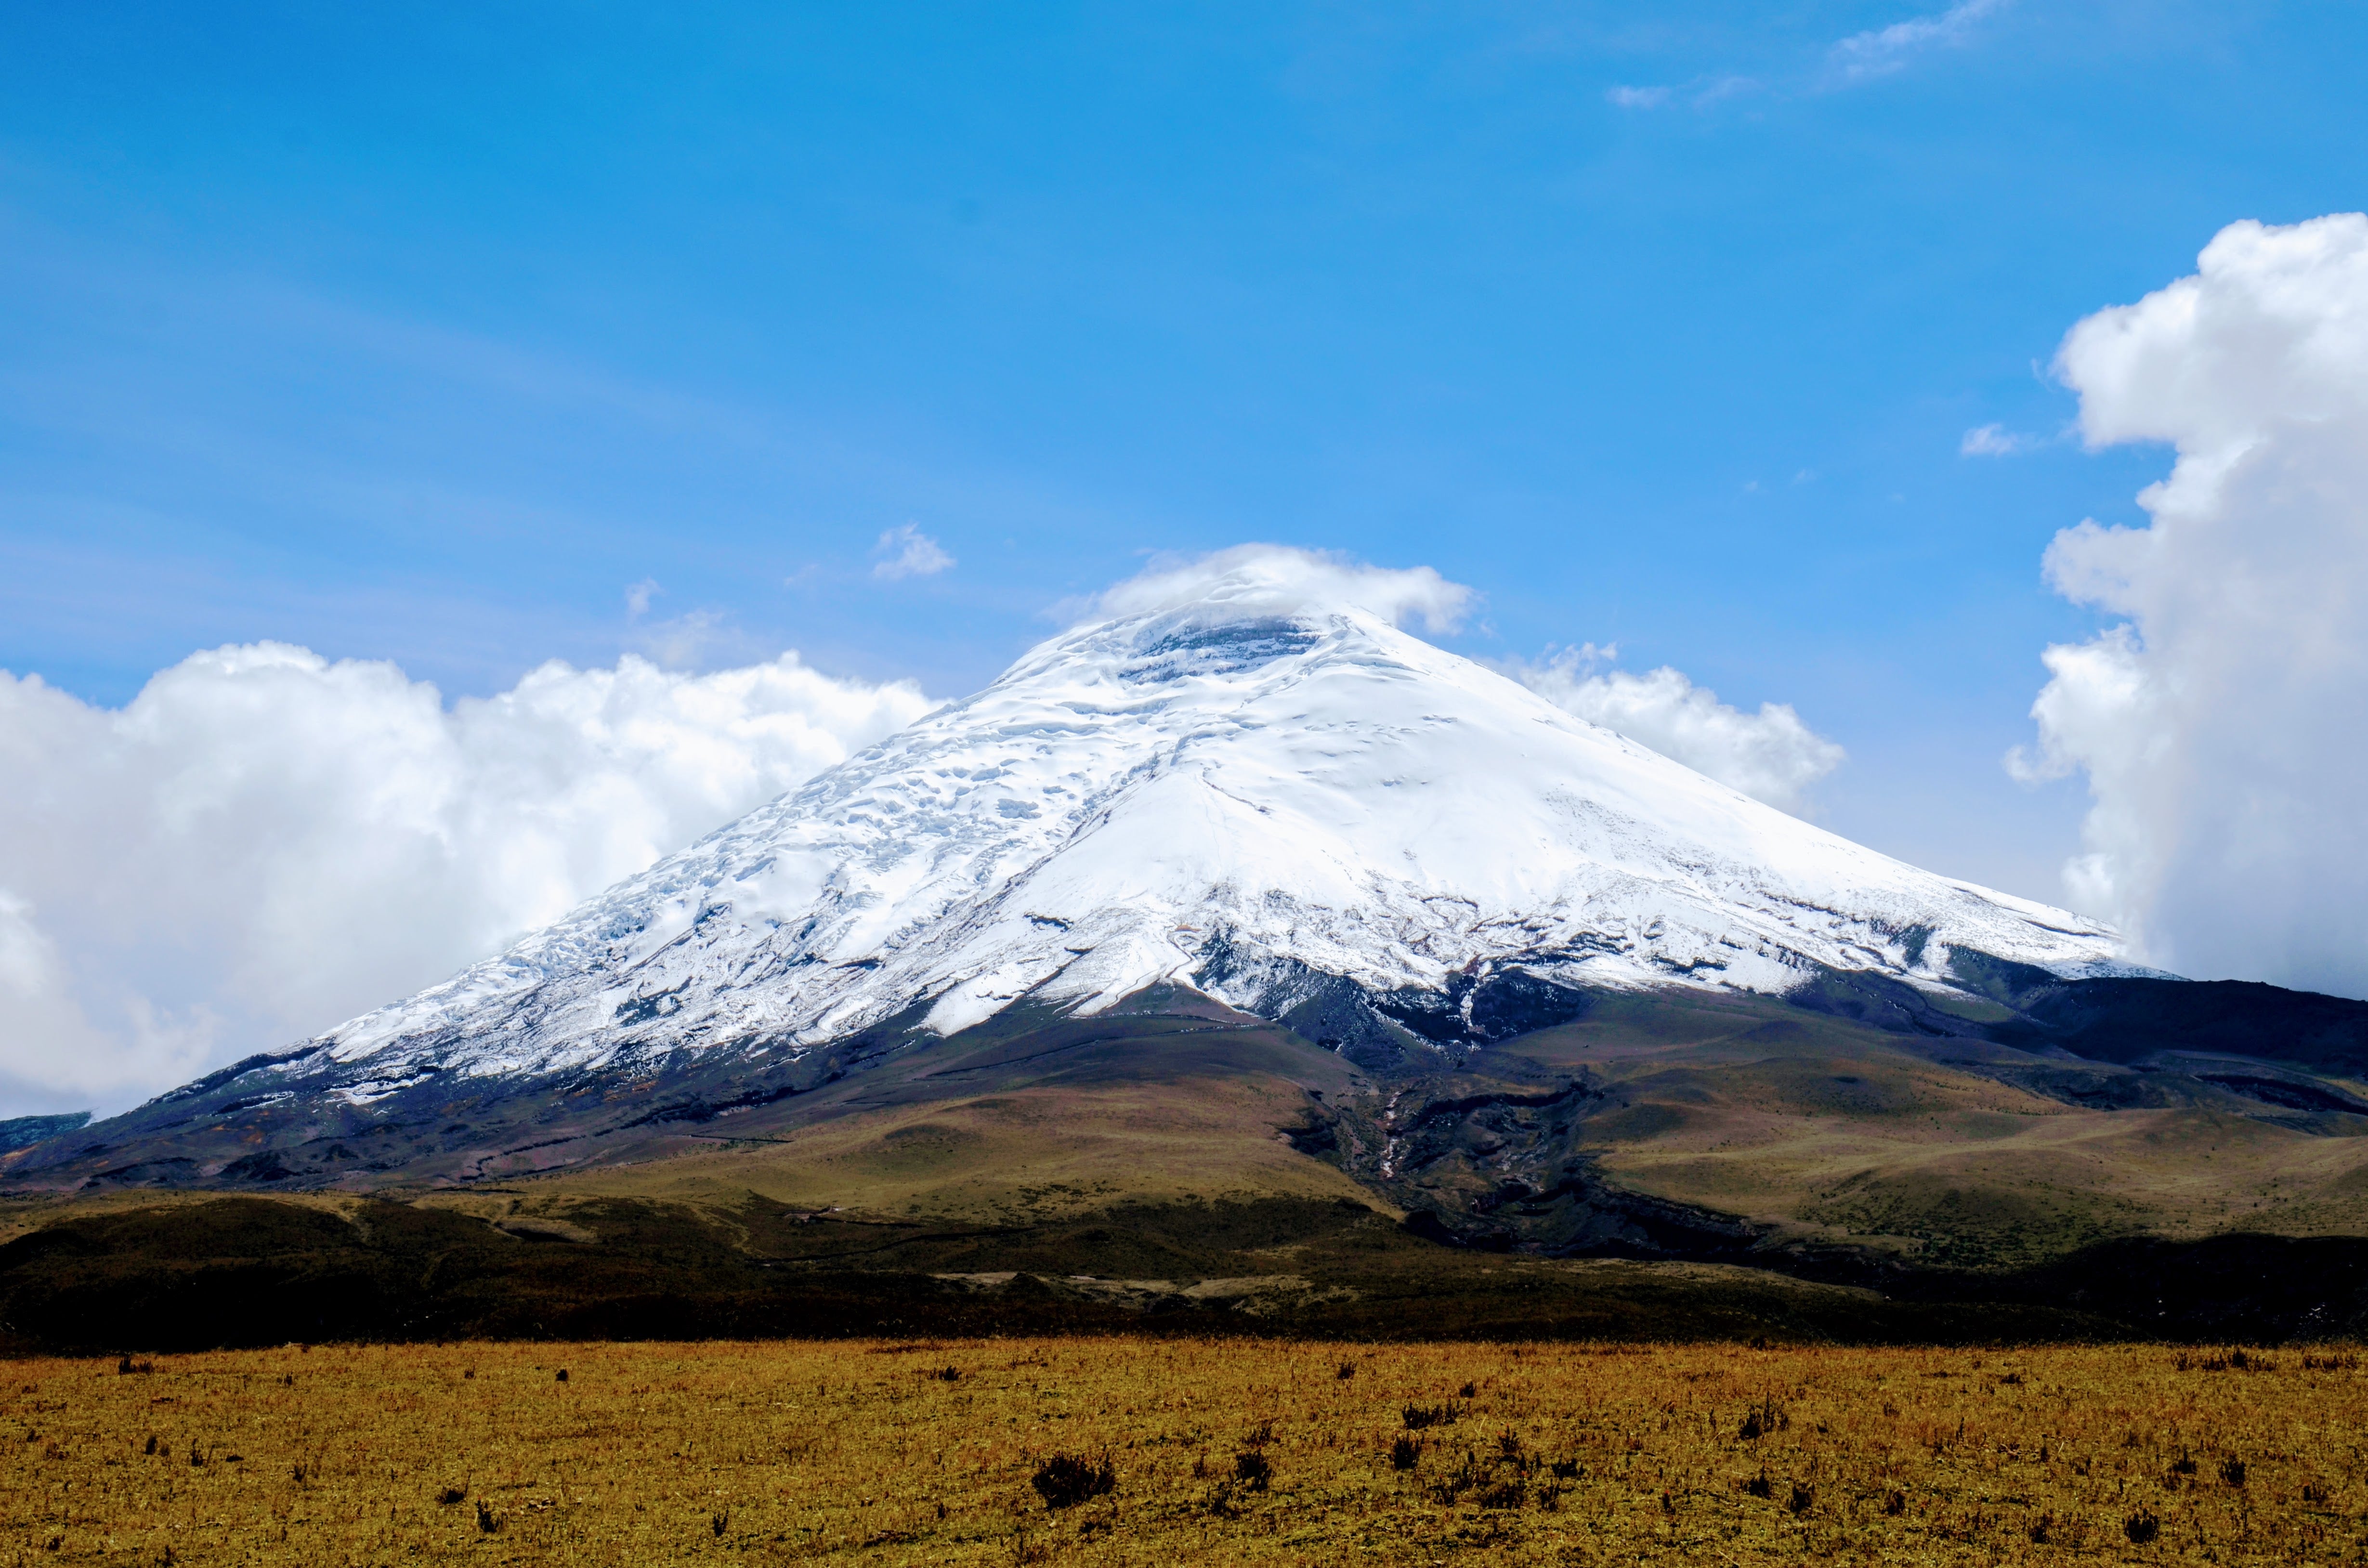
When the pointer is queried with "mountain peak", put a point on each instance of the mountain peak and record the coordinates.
(1251, 783)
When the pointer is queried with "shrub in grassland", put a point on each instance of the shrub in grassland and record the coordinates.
(1063, 1481)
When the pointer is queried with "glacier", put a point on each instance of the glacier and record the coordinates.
(1276, 805)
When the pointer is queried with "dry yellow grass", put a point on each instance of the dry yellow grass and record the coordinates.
(866, 1452)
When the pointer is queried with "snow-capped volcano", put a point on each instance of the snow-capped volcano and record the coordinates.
(1268, 802)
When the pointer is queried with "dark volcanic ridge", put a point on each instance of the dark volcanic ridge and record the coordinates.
(1471, 1156)
(280, 1120)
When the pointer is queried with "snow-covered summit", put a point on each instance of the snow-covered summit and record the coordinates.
(1249, 793)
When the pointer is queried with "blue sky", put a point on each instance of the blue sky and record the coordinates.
(428, 332)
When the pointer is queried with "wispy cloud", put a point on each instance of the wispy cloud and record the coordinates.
(1881, 50)
(906, 552)
(1700, 93)
(1639, 97)
(1994, 441)
(1861, 57)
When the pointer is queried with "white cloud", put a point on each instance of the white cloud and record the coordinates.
(1861, 57)
(1769, 754)
(1881, 50)
(906, 552)
(263, 843)
(1993, 441)
(2221, 723)
(1274, 579)
(694, 637)
(1701, 92)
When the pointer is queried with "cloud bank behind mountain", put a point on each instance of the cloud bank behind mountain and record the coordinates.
(264, 842)
(2222, 720)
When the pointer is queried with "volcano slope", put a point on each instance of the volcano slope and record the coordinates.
(1238, 959)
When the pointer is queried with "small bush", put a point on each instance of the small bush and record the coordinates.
(1449, 1488)
(2232, 1471)
(452, 1495)
(1253, 1469)
(1467, 1391)
(1502, 1494)
(1760, 1485)
(2141, 1528)
(1418, 1416)
(1346, 1370)
(719, 1523)
(1064, 1481)
(1404, 1452)
(487, 1520)
(1801, 1500)
(948, 1375)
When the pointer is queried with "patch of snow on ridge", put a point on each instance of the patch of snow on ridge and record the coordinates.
(1140, 793)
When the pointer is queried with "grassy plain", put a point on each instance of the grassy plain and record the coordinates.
(1219, 1451)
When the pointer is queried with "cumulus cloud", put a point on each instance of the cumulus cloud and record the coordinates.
(1878, 51)
(1771, 755)
(1273, 579)
(906, 552)
(264, 843)
(2219, 722)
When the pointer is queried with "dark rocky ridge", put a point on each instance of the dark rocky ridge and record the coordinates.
(1478, 1115)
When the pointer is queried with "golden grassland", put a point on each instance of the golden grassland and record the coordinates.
(1217, 1451)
